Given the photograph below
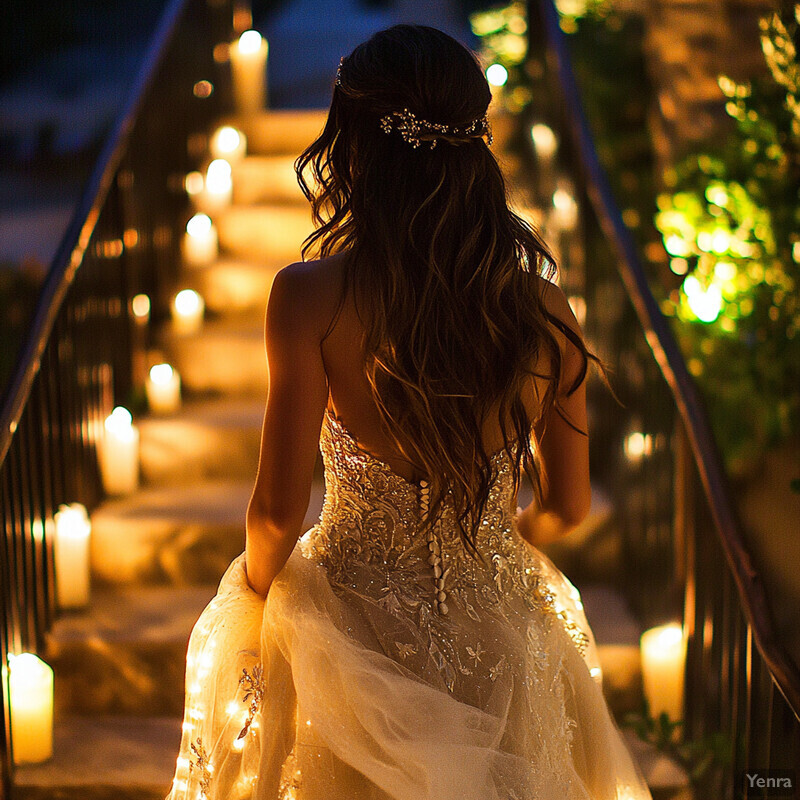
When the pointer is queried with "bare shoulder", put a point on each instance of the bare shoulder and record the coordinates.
(557, 304)
(304, 294)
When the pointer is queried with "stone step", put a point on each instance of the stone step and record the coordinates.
(225, 356)
(177, 535)
(266, 179)
(181, 535)
(232, 285)
(106, 758)
(208, 439)
(268, 234)
(126, 653)
(280, 132)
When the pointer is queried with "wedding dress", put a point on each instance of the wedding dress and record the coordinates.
(387, 664)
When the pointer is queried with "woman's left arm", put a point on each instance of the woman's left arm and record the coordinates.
(296, 400)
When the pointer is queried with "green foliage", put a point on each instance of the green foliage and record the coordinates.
(503, 32)
(731, 225)
(705, 760)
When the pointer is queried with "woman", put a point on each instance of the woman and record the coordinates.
(414, 644)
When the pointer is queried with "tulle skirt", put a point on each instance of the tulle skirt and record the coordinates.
(298, 697)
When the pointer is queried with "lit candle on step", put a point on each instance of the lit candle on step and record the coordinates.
(200, 242)
(229, 143)
(31, 700)
(73, 529)
(119, 453)
(163, 389)
(249, 68)
(663, 656)
(187, 311)
(218, 186)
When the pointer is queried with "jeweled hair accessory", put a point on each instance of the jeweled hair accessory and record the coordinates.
(415, 130)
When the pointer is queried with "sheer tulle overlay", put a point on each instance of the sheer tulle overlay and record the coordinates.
(390, 664)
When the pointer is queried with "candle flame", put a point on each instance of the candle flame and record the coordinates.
(218, 176)
(250, 42)
(161, 374)
(199, 225)
(119, 421)
(187, 303)
(227, 139)
(140, 305)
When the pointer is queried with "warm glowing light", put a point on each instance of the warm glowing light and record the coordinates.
(31, 700)
(140, 306)
(544, 140)
(163, 389)
(228, 142)
(720, 241)
(724, 271)
(73, 529)
(637, 445)
(119, 453)
(705, 304)
(187, 311)
(250, 42)
(218, 176)
(497, 75)
(193, 183)
(200, 243)
(680, 266)
(187, 302)
(663, 656)
(199, 225)
(119, 422)
(677, 246)
(566, 209)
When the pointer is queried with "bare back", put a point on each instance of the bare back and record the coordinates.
(350, 397)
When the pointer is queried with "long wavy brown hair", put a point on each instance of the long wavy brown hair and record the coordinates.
(441, 270)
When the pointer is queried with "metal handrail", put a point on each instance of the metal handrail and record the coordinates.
(72, 248)
(673, 367)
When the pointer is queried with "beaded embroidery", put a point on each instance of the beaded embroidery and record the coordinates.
(415, 130)
(369, 544)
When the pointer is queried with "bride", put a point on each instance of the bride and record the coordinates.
(414, 644)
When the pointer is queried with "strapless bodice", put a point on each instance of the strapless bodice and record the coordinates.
(371, 540)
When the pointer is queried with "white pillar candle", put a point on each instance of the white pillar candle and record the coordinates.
(229, 143)
(187, 311)
(200, 242)
(73, 529)
(119, 453)
(31, 700)
(218, 190)
(663, 654)
(249, 69)
(163, 389)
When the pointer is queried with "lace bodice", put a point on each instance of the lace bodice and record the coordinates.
(369, 540)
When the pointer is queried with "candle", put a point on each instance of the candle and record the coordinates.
(31, 700)
(218, 186)
(187, 311)
(200, 242)
(140, 306)
(249, 65)
(228, 142)
(663, 657)
(565, 208)
(163, 389)
(119, 453)
(72, 555)
(544, 140)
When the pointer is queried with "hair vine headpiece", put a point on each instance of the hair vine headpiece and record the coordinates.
(415, 130)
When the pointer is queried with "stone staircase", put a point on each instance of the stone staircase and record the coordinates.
(157, 555)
